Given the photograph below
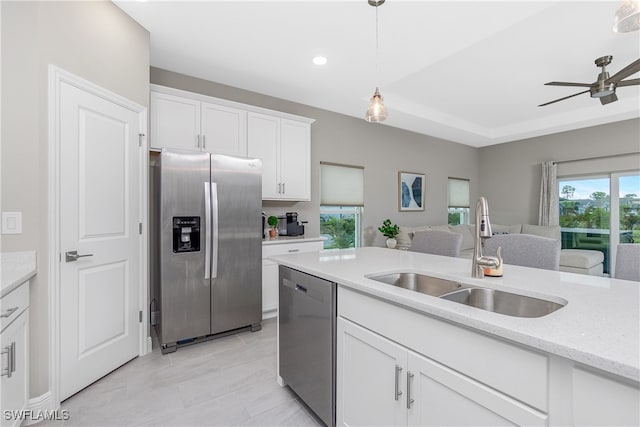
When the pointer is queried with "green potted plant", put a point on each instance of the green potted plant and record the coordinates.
(273, 223)
(390, 231)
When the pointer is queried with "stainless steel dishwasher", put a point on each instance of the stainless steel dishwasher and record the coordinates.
(307, 321)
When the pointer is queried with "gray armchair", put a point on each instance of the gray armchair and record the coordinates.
(437, 242)
(526, 250)
(628, 262)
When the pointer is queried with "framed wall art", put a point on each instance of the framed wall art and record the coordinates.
(411, 191)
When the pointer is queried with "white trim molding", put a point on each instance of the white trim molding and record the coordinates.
(41, 404)
(57, 76)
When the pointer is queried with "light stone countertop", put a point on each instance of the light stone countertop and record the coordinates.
(15, 269)
(599, 327)
(290, 239)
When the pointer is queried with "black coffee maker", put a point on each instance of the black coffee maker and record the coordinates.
(294, 228)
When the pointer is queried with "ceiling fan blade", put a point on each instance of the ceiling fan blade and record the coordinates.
(568, 84)
(562, 99)
(632, 82)
(632, 68)
(609, 98)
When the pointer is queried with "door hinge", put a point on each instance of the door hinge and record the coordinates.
(140, 316)
(140, 228)
(140, 136)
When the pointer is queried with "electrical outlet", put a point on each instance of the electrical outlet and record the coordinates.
(11, 222)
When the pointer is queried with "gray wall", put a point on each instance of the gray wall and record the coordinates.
(510, 173)
(94, 40)
(382, 150)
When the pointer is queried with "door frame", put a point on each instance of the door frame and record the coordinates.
(57, 76)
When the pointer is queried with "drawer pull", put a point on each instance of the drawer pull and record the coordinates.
(409, 398)
(9, 312)
(10, 351)
(398, 391)
(301, 288)
(294, 250)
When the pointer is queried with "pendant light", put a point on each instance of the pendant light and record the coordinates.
(376, 112)
(627, 17)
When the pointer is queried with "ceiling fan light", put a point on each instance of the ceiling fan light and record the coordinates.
(627, 17)
(376, 112)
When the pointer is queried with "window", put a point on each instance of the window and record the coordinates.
(458, 192)
(588, 213)
(341, 203)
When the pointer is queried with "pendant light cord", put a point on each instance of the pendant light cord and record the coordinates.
(377, 69)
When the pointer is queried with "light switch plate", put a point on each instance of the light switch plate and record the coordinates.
(11, 222)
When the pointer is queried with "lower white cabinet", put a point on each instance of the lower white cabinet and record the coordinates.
(14, 363)
(383, 383)
(270, 270)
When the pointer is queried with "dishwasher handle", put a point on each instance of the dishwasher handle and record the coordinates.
(301, 288)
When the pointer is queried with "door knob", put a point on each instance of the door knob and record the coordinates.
(73, 256)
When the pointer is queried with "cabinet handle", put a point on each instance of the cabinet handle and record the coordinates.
(409, 399)
(10, 351)
(204, 142)
(398, 392)
(279, 188)
(283, 190)
(9, 312)
(294, 250)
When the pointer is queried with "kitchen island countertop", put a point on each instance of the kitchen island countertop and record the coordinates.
(599, 327)
(290, 239)
(15, 269)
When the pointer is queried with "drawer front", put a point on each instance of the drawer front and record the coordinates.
(516, 371)
(290, 248)
(14, 303)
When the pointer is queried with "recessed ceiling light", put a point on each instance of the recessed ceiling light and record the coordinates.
(320, 60)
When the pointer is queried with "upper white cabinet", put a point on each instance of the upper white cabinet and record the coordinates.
(191, 121)
(223, 129)
(181, 122)
(284, 146)
(175, 122)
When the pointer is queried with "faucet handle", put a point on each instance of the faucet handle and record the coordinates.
(499, 257)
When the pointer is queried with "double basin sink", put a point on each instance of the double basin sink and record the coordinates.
(483, 298)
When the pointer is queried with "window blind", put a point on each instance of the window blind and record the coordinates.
(458, 193)
(341, 185)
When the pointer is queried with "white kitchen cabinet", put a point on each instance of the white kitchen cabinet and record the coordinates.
(284, 146)
(175, 122)
(370, 375)
(14, 345)
(223, 129)
(381, 382)
(270, 269)
(185, 123)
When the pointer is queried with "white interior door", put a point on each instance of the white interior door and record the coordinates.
(99, 216)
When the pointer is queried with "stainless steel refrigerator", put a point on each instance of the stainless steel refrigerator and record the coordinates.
(208, 277)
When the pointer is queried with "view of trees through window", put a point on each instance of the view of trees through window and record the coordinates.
(588, 214)
(339, 225)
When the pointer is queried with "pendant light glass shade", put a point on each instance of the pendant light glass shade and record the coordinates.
(376, 111)
(627, 17)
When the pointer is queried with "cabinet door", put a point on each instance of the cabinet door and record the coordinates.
(224, 129)
(263, 136)
(175, 122)
(269, 289)
(442, 396)
(295, 144)
(15, 389)
(369, 379)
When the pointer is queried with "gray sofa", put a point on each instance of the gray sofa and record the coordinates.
(571, 260)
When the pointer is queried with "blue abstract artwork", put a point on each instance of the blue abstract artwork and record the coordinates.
(411, 190)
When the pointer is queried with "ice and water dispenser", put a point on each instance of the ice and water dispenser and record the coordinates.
(186, 234)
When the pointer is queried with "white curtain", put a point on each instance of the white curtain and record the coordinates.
(548, 213)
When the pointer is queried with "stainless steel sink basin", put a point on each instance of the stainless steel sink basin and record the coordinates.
(503, 302)
(429, 285)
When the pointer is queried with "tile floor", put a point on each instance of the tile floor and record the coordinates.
(230, 381)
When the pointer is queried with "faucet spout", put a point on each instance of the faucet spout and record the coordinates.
(482, 231)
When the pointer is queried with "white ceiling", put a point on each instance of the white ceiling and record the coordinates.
(466, 71)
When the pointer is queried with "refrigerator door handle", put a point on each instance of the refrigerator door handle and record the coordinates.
(214, 227)
(207, 227)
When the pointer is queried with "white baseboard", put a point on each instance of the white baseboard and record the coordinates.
(43, 403)
(269, 314)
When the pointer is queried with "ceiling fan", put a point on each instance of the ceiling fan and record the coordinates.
(605, 87)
